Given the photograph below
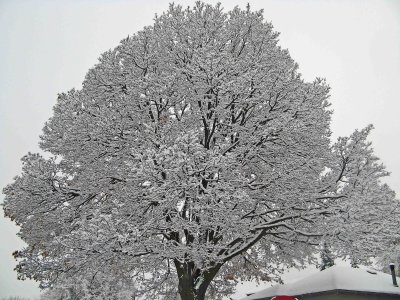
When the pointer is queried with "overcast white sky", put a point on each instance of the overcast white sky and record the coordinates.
(46, 47)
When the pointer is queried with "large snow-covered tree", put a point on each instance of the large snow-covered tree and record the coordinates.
(194, 156)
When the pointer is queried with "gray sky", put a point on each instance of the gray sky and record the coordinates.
(46, 47)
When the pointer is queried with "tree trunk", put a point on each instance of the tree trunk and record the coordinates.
(193, 282)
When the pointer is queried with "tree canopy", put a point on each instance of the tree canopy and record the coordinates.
(193, 156)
